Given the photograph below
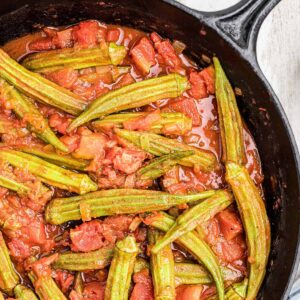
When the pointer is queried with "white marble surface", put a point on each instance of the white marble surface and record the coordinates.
(278, 52)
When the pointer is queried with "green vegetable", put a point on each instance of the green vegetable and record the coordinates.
(140, 264)
(162, 270)
(134, 95)
(159, 145)
(78, 283)
(48, 61)
(13, 185)
(24, 293)
(115, 201)
(121, 269)
(38, 87)
(49, 173)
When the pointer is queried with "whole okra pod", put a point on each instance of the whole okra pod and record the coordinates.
(229, 118)
(48, 61)
(22, 292)
(256, 223)
(162, 269)
(8, 276)
(161, 165)
(167, 122)
(121, 269)
(24, 108)
(49, 173)
(193, 244)
(13, 185)
(46, 288)
(159, 145)
(194, 216)
(38, 87)
(132, 96)
(115, 201)
(93, 260)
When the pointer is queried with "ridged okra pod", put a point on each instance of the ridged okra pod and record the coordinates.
(61, 160)
(8, 276)
(38, 87)
(49, 173)
(193, 244)
(133, 95)
(195, 216)
(168, 122)
(13, 185)
(93, 260)
(161, 165)
(159, 145)
(256, 223)
(162, 269)
(22, 292)
(46, 288)
(229, 118)
(48, 61)
(121, 269)
(25, 109)
(115, 201)
(1, 296)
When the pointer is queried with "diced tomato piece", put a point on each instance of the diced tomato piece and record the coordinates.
(129, 160)
(212, 231)
(63, 38)
(90, 146)
(230, 251)
(41, 44)
(143, 288)
(198, 88)
(36, 232)
(71, 141)
(19, 249)
(208, 75)
(64, 279)
(113, 35)
(189, 292)
(59, 122)
(143, 55)
(94, 291)
(230, 224)
(124, 80)
(143, 123)
(65, 77)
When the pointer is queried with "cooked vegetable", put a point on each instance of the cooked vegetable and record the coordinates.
(195, 245)
(38, 87)
(121, 269)
(25, 109)
(162, 269)
(196, 215)
(159, 145)
(255, 220)
(134, 95)
(161, 165)
(1, 296)
(229, 118)
(8, 276)
(167, 122)
(13, 185)
(49, 173)
(116, 201)
(46, 288)
(22, 292)
(93, 260)
(78, 283)
(140, 264)
(53, 60)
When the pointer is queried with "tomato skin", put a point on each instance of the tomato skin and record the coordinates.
(143, 288)
(189, 292)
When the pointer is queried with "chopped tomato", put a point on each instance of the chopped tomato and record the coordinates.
(94, 291)
(189, 292)
(71, 141)
(208, 75)
(212, 231)
(113, 35)
(63, 38)
(65, 77)
(143, 288)
(123, 80)
(230, 224)
(59, 122)
(41, 44)
(143, 123)
(143, 55)
(198, 88)
(230, 251)
(64, 279)
(19, 249)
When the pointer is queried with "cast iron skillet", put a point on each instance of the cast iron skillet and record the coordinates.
(231, 35)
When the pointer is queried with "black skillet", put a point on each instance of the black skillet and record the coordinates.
(231, 35)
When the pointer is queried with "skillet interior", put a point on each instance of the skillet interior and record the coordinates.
(259, 107)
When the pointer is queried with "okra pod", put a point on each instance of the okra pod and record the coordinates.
(78, 283)
(167, 122)
(24, 108)
(61, 160)
(256, 223)
(159, 145)
(1, 296)
(115, 201)
(132, 96)
(161, 165)
(13, 185)
(193, 244)
(22, 292)
(49, 173)
(121, 269)
(162, 269)
(8, 276)
(38, 87)
(53, 60)
(140, 264)
(229, 118)
(93, 260)
(46, 288)
(194, 216)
